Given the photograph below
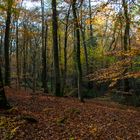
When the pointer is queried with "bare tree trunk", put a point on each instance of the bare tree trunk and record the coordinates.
(84, 44)
(91, 28)
(17, 49)
(1, 43)
(25, 58)
(17, 56)
(65, 50)
(34, 72)
(6, 43)
(57, 81)
(126, 44)
(127, 25)
(3, 100)
(78, 53)
(44, 50)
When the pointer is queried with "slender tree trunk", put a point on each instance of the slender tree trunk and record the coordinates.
(127, 26)
(126, 44)
(84, 43)
(6, 43)
(25, 58)
(65, 50)
(74, 58)
(34, 72)
(17, 49)
(3, 99)
(46, 46)
(60, 50)
(17, 56)
(83, 34)
(91, 28)
(1, 43)
(78, 53)
(52, 77)
(57, 81)
(44, 50)
(85, 51)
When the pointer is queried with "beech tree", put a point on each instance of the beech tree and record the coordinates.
(44, 49)
(7, 41)
(78, 59)
(3, 99)
(57, 81)
(65, 49)
(126, 38)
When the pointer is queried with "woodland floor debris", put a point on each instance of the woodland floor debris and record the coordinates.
(67, 119)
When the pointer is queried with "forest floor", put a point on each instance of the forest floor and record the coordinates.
(40, 117)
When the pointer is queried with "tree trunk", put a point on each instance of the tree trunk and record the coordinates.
(127, 26)
(6, 43)
(44, 50)
(25, 43)
(78, 53)
(3, 100)
(17, 56)
(57, 81)
(65, 50)
(91, 28)
(126, 44)
(84, 44)
(34, 72)
(1, 43)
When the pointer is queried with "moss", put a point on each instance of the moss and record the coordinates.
(61, 121)
(10, 134)
(71, 138)
(3, 122)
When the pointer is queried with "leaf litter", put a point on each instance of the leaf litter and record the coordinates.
(42, 117)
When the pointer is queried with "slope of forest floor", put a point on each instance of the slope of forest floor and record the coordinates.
(40, 117)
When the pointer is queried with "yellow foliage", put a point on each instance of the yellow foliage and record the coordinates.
(96, 21)
(94, 129)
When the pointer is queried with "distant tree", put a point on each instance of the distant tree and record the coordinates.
(90, 18)
(44, 49)
(78, 54)
(65, 48)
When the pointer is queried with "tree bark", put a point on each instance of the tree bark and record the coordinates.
(25, 54)
(78, 53)
(57, 81)
(126, 44)
(65, 50)
(6, 43)
(17, 56)
(91, 28)
(3, 100)
(44, 50)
